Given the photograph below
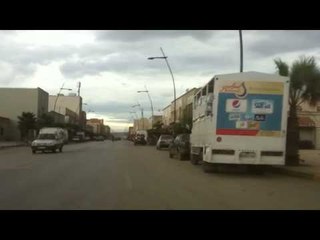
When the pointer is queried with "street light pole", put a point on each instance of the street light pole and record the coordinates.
(174, 86)
(138, 105)
(241, 51)
(146, 91)
(55, 103)
(136, 115)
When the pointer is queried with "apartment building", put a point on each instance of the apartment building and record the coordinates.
(183, 108)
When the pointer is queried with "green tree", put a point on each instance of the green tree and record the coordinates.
(304, 77)
(45, 120)
(26, 122)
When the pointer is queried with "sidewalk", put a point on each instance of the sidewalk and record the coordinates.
(11, 144)
(309, 166)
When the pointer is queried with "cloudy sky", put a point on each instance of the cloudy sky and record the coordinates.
(112, 65)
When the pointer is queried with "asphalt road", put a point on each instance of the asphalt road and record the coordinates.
(119, 175)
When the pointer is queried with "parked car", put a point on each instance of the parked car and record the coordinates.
(180, 147)
(76, 138)
(140, 139)
(164, 141)
(99, 138)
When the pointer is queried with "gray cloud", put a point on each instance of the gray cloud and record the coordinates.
(267, 43)
(135, 62)
(139, 35)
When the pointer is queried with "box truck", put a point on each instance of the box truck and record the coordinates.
(240, 119)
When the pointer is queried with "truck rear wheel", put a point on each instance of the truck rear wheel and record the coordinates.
(194, 159)
(257, 169)
(209, 167)
(60, 149)
(180, 156)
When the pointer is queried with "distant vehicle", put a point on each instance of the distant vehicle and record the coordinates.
(76, 138)
(49, 139)
(240, 119)
(164, 141)
(143, 132)
(99, 138)
(180, 147)
(140, 139)
(79, 137)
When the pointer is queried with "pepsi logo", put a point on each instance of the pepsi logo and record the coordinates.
(236, 103)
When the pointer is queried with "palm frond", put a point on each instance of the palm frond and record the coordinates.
(282, 67)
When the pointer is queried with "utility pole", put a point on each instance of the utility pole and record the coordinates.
(79, 86)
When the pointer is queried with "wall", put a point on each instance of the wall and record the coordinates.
(4, 129)
(166, 117)
(74, 103)
(14, 101)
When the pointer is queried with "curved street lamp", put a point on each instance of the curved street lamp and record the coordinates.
(174, 86)
(146, 91)
(62, 88)
(138, 105)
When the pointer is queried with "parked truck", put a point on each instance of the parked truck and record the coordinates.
(240, 119)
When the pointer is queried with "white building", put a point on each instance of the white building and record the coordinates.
(14, 101)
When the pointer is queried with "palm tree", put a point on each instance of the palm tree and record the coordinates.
(304, 77)
(26, 122)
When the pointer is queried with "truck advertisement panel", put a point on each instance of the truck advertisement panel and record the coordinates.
(250, 108)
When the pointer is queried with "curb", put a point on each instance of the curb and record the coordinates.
(294, 173)
(12, 146)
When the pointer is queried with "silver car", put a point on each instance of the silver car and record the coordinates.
(164, 141)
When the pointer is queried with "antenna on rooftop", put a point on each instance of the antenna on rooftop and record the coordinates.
(79, 86)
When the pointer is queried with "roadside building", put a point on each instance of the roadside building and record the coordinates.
(141, 124)
(57, 117)
(89, 128)
(107, 130)
(155, 119)
(309, 123)
(4, 129)
(184, 105)
(83, 119)
(97, 125)
(70, 106)
(167, 119)
(14, 101)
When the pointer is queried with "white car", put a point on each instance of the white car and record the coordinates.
(164, 141)
(47, 141)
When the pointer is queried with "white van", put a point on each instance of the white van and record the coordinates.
(49, 139)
